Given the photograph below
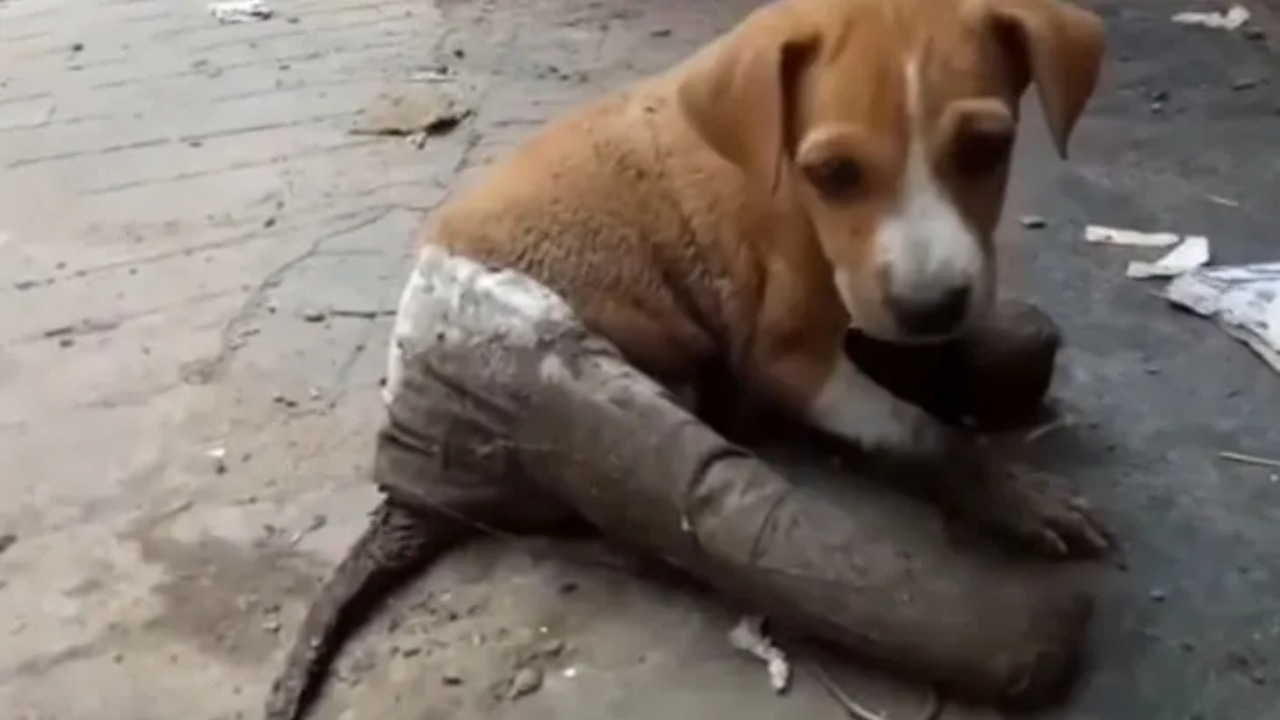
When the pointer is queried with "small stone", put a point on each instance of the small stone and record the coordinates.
(77, 47)
(1251, 32)
(271, 625)
(411, 652)
(525, 682)
(1158, 595)
(661, 32)
(450, 678)
(1187, 645)
(1244, 83)
(66, 342)
(1033, 222)
(1160, 96)
(7, 541)
(314, 316)
(1157, 107)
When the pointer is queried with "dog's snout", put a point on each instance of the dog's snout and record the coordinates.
(937, 313)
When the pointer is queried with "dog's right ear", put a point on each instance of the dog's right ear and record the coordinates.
(739, 94)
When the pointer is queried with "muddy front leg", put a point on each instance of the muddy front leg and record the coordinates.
(834, 396)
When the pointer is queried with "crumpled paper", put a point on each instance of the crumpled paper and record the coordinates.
(1242, 299)
(240, 11)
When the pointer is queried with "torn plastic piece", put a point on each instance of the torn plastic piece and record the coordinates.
(748, 636)
(240, 11)
(1134, 238)
(1243, 299)
(1191, 254)
(1232, 19)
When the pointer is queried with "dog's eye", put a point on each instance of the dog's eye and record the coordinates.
(837, 178)
(981, 152)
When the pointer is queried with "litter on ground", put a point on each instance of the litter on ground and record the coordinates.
(1192, 253)
(748, 636)
(240, 11)
(1132, 238)
(1232, 19)
(1242, 299)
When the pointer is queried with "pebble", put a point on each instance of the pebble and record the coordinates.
(1158, 595)
(1244, 83)
(271, 625)
(1034, 222)
(7, 541)
(452, 679)
(314, 316)
(525, 682)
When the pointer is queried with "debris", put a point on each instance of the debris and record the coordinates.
(748, 636)
(570, 672)
(526, 681)
(1244, 83)
(1191, 254)
(362, 314)
(1133, 238)
(418, 112)
(7, 541)
(450, 678)
(851, 707)
(1158, 594)
(1033, 222)
(316, 523)
(233, 12)
(271, 625)
(1249, 459)
(219, 457)
(1243, 299)
(1232, 19)
(314, 316)
(1228, 202)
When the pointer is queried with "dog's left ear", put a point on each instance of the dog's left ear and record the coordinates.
(739, 93)
(1057, 45)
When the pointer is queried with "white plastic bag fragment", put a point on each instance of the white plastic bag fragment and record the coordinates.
(1189, 255)
(748, 636)
(240, 11)
(1243, 299)
(1232, 19)
(1132, 238)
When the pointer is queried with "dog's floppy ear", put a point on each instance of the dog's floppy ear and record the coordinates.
(738, 94)
(1058, 46)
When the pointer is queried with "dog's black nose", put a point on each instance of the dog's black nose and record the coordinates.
(936, 314)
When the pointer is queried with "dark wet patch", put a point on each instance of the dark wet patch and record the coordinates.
(223, 598)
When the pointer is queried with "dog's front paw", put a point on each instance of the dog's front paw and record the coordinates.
(1052, 521)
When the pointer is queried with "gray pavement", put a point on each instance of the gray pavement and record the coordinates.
(196, 256)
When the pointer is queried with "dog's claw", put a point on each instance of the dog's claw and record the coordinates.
(1059, 523)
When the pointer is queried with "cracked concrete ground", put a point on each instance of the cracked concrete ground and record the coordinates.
(196, 256)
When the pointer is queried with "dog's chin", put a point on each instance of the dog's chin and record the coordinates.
(890, 332)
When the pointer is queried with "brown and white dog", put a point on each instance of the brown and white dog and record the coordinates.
(827, 163)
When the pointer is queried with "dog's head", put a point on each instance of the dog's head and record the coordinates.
(891, 123)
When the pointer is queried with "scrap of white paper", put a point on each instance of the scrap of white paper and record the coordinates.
(748, 636)
(1133, 238)
(1232, 19)
(240, 11)
(1242, 299)
(1191, 254)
